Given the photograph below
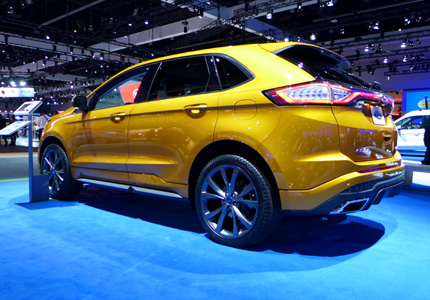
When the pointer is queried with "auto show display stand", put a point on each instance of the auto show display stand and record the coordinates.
(38, 184)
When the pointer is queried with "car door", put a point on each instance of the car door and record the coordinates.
(175, 122)
(411, 134)
(100, 146)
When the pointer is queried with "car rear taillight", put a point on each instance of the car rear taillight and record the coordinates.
(325, 93)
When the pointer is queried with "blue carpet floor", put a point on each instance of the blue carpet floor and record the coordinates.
(112, 245)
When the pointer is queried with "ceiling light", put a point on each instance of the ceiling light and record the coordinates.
(405, 58)
(313, 37)
(403, 45)
(406, 21)
(330, 3)
(376, 25)
(342, 31)
(386, 60)
(269, 14)
(366, 49)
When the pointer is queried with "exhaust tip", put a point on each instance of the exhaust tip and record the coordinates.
(351, 206)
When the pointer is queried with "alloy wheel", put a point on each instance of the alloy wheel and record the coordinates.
(229, 201)
(53, 166)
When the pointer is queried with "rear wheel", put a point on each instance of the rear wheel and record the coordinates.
(235, 203)
(55, 164)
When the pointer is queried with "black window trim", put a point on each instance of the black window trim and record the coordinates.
(145, 87)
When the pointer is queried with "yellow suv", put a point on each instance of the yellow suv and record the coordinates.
(245, 132)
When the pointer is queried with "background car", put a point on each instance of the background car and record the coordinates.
(244, 132)
(411, 133)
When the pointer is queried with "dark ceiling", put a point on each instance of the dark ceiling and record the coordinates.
(56, 43)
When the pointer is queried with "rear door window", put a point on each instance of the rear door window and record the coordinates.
(181, 77)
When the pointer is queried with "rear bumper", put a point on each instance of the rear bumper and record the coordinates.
(351, 201)
(356, 197)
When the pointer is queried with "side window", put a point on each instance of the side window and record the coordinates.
(412, 123)
(124, 92)
(229, 74)
(182, 77)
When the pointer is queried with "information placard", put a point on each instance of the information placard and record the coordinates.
(14, 127)
(27, 108)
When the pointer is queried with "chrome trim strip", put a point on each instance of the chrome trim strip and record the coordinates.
(133, 189)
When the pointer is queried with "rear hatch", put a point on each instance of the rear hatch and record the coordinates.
(362, 110)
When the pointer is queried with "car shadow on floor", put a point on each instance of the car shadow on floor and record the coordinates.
(158, 210)
(313, 236)
(323, 236)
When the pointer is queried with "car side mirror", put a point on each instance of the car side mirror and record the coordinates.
(80, 102)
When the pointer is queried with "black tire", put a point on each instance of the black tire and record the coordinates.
(235, 203)
(55, 163)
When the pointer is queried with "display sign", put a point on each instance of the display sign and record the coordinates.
(27, 108)
(14, 127)
(129, 92)
(415, 100)
(16, 92)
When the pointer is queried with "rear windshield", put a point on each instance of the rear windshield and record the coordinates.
(321, 63)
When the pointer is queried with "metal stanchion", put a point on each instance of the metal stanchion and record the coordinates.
(39, 184)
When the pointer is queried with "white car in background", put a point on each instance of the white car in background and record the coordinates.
(411, 132)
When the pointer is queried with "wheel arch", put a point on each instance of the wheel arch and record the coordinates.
(48, 141)
(229, 147)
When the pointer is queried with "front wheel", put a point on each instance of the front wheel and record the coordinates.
(234, 202)
(55, 164)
